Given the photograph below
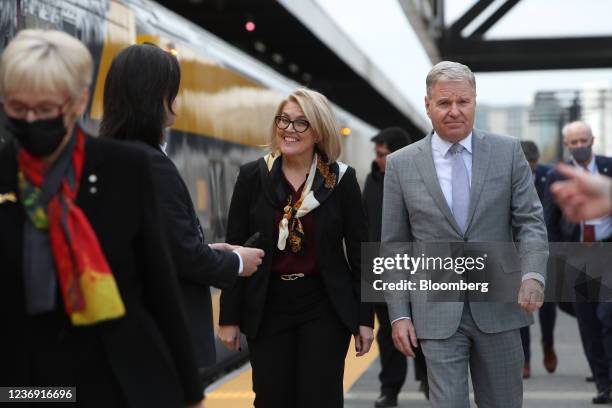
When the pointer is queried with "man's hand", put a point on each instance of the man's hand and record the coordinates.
(222, 246)
(363, 340)
(531, 295)
(251, 259)
(583, 196)
(404, 337)
(230, 337)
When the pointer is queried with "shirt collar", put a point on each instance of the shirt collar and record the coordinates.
(442, 146)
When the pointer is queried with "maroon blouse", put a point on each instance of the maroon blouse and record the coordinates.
(287, 262)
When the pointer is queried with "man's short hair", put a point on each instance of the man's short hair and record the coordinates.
(449, 71)
(530, 149)
(394, 137)
(576, 124)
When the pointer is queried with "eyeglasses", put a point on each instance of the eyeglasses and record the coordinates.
(20, 110)
(299, 125)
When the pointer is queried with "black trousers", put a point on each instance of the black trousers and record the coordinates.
(595, 325)
(394, 365)
(298, 354)
(548, 316)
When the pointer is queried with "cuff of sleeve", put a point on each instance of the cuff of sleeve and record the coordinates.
(536, 276)
(241, 265)
(400, 318)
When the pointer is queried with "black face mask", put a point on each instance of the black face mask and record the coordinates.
(39, 138)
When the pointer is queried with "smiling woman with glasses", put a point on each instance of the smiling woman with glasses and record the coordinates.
(84, 263)
(299, 311)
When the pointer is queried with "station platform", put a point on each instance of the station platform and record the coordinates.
(566, 388)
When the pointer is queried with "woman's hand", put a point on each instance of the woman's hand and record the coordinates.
(363, 340)
(230, 336)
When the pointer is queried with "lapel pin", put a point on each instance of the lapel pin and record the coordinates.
(8, 197)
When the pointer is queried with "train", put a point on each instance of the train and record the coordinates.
(225, 104)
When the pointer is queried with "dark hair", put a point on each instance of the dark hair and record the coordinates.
(394, 137)
(530, 149)
(140, 79)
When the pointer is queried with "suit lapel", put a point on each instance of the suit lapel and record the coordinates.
(12, 213)
(8, 170)
(602, 168)
(480, 165)
(427, 169)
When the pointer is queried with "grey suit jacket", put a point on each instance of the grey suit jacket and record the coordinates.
(503, 205)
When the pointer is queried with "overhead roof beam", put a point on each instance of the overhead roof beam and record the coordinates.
(441, 42)
(427, 20)
(494, 18)
(532, 54)
(469, 16)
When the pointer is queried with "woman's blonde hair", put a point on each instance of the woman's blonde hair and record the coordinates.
(320, 115)
(45, 61)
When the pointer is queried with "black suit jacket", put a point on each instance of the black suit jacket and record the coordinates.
(198, 266)
(560, 229)
(338, 218)
(372, 202)
(149, 350)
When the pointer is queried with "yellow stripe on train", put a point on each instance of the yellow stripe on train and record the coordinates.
(212, 101)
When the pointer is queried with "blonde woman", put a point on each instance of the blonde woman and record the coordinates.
(299, 311)
(88, 296)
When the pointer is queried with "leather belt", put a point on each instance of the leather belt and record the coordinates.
(292, 276)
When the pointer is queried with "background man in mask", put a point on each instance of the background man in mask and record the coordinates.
(594, 318)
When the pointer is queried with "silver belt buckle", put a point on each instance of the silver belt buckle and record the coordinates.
(292, 276)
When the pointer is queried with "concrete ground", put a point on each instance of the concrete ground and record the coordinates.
(566, 388)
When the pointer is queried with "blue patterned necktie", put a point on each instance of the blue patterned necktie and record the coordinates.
(460, 185)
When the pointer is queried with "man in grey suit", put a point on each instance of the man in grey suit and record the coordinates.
(461, 184)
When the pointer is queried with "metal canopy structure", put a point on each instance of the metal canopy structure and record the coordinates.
(443, 42)
(278, 38)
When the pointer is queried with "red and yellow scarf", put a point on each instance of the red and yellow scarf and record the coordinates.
(87, 284)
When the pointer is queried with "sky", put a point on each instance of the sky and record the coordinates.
(382, 31)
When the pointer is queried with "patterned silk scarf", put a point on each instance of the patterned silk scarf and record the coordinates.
(320, 183)
(87, 285)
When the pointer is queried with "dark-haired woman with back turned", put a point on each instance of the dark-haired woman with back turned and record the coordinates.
(139, 102)
(300, 310)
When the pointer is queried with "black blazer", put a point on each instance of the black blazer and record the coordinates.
(149, 350)
(560, 229)
(338, 218)
(372, 202)
(198, 266)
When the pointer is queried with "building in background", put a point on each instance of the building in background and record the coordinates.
(505, 120)
(596, 105)
(544, 118)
